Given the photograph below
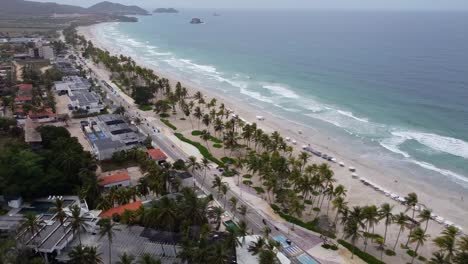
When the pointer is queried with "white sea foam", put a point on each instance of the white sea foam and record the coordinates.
(453, 146)
(349, 114)
(392, 144)
(460, 179)
(255, 95)
(281, 90)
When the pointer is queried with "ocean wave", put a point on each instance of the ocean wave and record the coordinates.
(392, 144)
(281, 90)
(460, 179)
(349, 114)
(256, 95)
(453, 146)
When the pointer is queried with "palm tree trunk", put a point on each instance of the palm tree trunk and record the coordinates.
(396, 242)
(110, 253)
(415, 252)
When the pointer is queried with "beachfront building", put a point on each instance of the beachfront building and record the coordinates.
(66, 67)
(110, 133)
(72, 83)
(119, 180)
(156, 155)
(85, 101)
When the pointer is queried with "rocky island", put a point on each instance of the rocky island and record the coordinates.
(196, 21)
(166, 10)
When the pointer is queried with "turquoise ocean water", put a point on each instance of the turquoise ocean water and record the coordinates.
(394, 85)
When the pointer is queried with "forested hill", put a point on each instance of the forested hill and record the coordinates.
(30, 8)
(117, 9)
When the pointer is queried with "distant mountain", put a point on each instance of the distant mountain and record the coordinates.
(30, 8)
(22, 8)
(166, 10)
(117, 9)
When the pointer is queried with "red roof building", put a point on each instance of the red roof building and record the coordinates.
(120, 209)
(46, 113)
(23, 99)
(25, 87)
(156, 154)
(120, 179)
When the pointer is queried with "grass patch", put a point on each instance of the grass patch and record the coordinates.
(361, 254)
(259, 190)
(247, 176)
(200, 148)
(169, 124)
(421, 258)
(390, 252)
(145, 107)
(308, 202)
(164, 115)
(109, 165)
(312, 225)
(217, 145)
(227, 160)
(196, 133)
(247, 182)
(411, 253)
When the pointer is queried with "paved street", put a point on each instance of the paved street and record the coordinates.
(303, 239)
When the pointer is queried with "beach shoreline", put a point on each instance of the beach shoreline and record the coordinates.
(443, 203)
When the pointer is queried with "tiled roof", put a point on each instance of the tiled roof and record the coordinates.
(114, 178)
(25, 87)
(120, 209)
(156, 154)
(45, 113)
(23, 98)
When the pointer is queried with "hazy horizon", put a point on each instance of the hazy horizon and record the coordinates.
(454, 5)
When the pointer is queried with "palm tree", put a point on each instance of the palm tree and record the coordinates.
(385, 212)
(401, 220)
(242, 210)
(218, 255)
(81, 255)
(243, 230)
(371, 217)
(205, 165)
(296, 208)
(59, 212)
(233, 203)
(192, 163)
(217, 183)
(438, 258)
(224, 190)
(267, 256)
(425, 216)
(107, 229)
(411, 201)
(126, 259)
(77, 221)
(418, 237)
(217, 214)
(351, 231)
(447, 242)
(339, 204)
(148, 259)
(206, 136)
(256, 247)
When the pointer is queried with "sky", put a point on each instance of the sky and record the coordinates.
(313, 4)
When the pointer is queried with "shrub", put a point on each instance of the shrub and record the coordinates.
(196, 133)
(182, 118)
(308, 202)
(179, 165)
(421, 258)
(259, 189)
(229, 173)
(217, 145)
(200, 148)
(411, 252)
(164, 115)
(325, 246)
(169, 124)
(227, 160)
(247, 182)
(390, 252)
(247, 176)
(145, 107)
(361, 254)
(312, 225)
(334, 247)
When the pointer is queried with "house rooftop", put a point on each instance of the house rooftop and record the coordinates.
(120, 209)
(156, 154)
(23, 98)
(42, 114)
(114, 179)
(25, 87)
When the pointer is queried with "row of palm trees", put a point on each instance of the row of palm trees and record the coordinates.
(291, 181)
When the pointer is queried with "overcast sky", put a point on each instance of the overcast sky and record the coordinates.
(317, 4)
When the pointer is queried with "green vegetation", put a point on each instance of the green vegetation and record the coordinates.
(145, 107)
(228, 160)
(390, 252)
(217, 145)
(168, 123)
(200, 148)
(211, 138)
(361, 254)
(247, 176)
(196, 133)
(60, 167)
(259, 189)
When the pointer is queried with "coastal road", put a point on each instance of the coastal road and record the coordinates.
(256, 219)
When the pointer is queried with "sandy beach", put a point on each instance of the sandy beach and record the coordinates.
(443, 203)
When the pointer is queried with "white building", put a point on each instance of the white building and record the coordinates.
(72, 83)
(86, 101)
